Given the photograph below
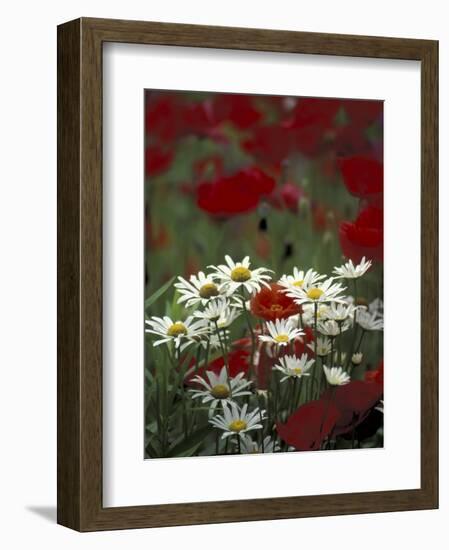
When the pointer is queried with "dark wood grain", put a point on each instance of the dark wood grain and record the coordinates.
(80, 274)
(69, 408)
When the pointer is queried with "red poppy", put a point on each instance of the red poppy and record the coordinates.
(376, 375)
(271, 304)
(157, 160)
(364, 237)
(311, 124)
(238, 361)
(309, 140)
(162, 117)
(234, 194)
(309, 425)
(320, 218)
(287, 196)
(291, 194)
(197, 117)
(350, 140)
(354, 401)
(362, 113)
(237, 109)
(363, 176)
(314, 111)
(269, 144)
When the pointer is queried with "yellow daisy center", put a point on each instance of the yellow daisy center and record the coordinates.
(314, 293)
(240, 274)
(177, 329)
(281, 338)
(220, 391)
(298, 283)
(209, 290)
(237, 425)
(297, 370)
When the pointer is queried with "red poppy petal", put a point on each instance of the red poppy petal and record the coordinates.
(309, 425)
(363, 176)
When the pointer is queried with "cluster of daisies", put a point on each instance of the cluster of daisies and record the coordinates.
(302, 339)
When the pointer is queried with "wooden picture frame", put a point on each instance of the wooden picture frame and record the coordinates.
(80, 504)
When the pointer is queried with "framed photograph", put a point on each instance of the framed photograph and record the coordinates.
(247, 274)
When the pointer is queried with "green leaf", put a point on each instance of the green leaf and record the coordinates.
(158, 293)
(151, 450)
(187, 447)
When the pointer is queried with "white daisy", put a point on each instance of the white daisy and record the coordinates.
(293, 367)
(357, 358)
(336, 376)
(301, 279)
(308, 315)
(213, 310)
(341, 312)
(238, 275)
(199, 289)
(227, 317)
(370, 321)
(253, 447)
(236, 421)
(213, 340)
(181, 333)
(376, 306)
(281, 332)
(331, 328)
(217, 389)
(321, 293)
(323, 346)
(351, 271)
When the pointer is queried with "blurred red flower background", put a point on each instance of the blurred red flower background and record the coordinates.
(321, 159)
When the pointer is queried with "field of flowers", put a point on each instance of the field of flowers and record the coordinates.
(264, 276)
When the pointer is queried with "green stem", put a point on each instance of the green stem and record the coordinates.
(293, 395)
(225, 358)
(360, 341)
(206, 358)
(183, 397)
(353, 437)
(262, 442)
(274, 403)
(315, 331)
(321, 374)
(301, 382)
(332, 352)
(339, 342)
(158, 417)
(351, 364)
(354, 327)
(251, 331)
(197, 358)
